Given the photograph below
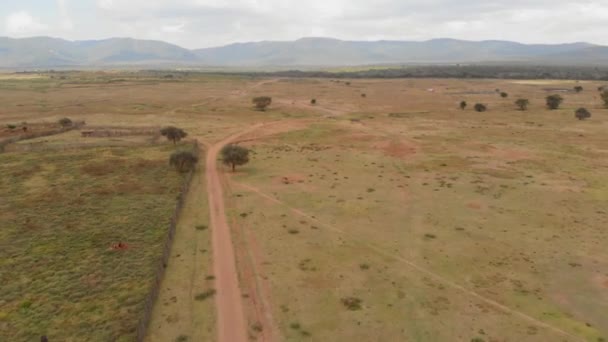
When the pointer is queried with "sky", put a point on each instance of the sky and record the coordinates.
(206, 23)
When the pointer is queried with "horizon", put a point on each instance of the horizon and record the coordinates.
(304, 38)
(196, 24)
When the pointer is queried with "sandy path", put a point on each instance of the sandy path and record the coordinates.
(231, 324)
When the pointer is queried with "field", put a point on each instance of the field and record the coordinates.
(381, 213)
(62, 214)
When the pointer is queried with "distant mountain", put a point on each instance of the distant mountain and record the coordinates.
(44, 52)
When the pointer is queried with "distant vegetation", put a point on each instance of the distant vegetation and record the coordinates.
(173, 134)
(504, 95)
(582, 114)
(463, 105)
(554, 101)
(480, 107)
(65, 122)
(604, 97)
(262, 102)
(522, 104)
(183, 161)
(578, 89)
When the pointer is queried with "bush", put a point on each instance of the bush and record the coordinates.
(463, 105)
(504, 95)
(578, 89)
(262, 102)
(522, 104)
(313, 101)
(65, 122)
(480, 107)
(11, 127)
(582, 114)
(183, 161)
(554, 101)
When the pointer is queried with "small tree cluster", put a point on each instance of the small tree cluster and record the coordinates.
(554, 101)
(183, 161)
(173, 134)
(234, 155)
(262, 102)
(582, 114)
(522, 104)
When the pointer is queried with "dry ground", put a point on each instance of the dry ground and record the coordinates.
(444, 224)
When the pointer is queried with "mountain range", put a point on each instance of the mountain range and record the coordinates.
(45, 52)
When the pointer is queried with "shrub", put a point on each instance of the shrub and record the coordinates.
(183, 161)
(582, 114)
(364, 95)
(262, 102)
(522, 104)
(504, 95)
(11, 127)
(204, 295)
(173, 133)
(480, 107)
(554, 101)
(313, 101)
(65, 122)
(352, 303)
(463, 105)
(578, 89)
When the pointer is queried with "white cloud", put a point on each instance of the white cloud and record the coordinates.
(22, 23)
(201, 23)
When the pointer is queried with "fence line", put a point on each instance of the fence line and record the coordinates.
(6, 142)
(144, 321)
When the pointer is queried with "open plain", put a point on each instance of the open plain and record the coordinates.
(383, 212)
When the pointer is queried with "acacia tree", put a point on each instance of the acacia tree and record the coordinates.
(604, 96)
(173, 133)
(578, 89)
(554, 101)
(463, 105)
(262, 102)
(522, 104)
(480, 107)
(183, 161)
(582, 114)
(234, 155)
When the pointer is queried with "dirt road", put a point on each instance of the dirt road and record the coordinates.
(231, 324)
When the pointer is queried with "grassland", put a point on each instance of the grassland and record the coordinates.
(61, 213)
(393, 216)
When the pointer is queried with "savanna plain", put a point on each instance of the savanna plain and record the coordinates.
(380, 211)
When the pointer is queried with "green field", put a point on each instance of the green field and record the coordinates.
(61, 212)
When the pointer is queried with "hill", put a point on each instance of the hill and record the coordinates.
(45, 52)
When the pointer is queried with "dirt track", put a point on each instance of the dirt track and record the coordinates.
(231, 325)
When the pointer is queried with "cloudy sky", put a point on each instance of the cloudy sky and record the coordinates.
(203, 23)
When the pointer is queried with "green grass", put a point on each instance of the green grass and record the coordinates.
(60, 214)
